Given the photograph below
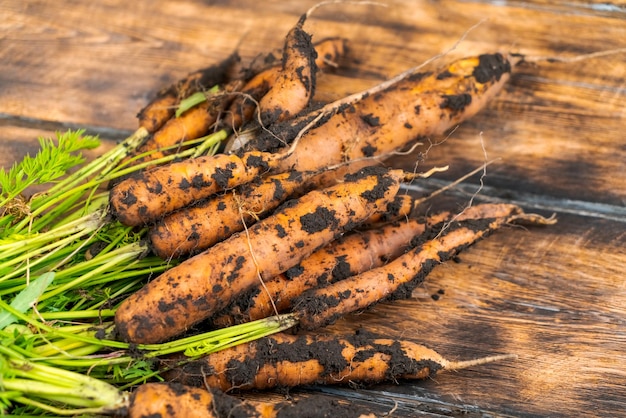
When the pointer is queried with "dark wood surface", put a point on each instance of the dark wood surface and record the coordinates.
(556, 295)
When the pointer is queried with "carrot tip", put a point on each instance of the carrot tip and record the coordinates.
(459, 365)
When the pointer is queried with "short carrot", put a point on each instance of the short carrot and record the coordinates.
(204, 284)
(283, 360)
(329, 51)
(294, 87)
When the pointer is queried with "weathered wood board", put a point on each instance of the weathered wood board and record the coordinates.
(556, 296)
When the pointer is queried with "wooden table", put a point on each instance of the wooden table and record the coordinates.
(556, 296)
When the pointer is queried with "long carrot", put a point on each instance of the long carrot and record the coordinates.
(322, 306)
(352, 254)
(204, 284)
(384, 120)
(283, 360)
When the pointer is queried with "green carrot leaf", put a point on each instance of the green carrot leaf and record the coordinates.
(26, 298)
(51, 162)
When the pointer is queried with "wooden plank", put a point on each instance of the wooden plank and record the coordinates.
(553, 295)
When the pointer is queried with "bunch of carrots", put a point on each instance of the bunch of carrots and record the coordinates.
(293, 212)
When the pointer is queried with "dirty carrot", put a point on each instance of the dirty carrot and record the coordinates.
(352, 254)
(148, 195)
(397, 279)
(385, 120)
(283, 360)
(329, 51)
(204, 284)
(174, 400)
(294, 87)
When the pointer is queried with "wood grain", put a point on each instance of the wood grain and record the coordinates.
(556, 296)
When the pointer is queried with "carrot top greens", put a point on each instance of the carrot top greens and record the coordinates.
(65, 265)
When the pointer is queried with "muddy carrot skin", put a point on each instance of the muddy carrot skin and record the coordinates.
(204, 284)
(390, 119)
(328, 51)
(195, 228)
(397, 279)
(283, 360)
(164, 400)
(149, 195)
(174, 400)
(295, 85)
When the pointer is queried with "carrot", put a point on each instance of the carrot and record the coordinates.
(146, 196)
(384, 120)
(295, 85)
(322, 306)
(243, 107)
(172, 400)
(197, 227)
(204, 284)
(283, 360)
(162, 107)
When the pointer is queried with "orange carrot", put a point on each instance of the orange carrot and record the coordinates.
(295, 85)
(397, 279)
(204, 284)
(388, 117)
(148, 195)
(173, 400)
(352, 254)
(283, 360)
